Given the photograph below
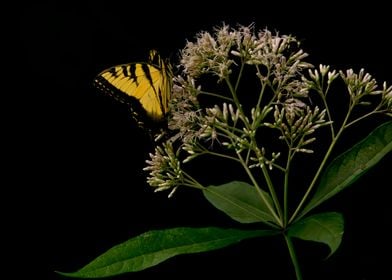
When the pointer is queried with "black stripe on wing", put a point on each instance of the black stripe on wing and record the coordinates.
(136, 108)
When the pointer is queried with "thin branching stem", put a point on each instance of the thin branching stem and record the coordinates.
(220, 96)
(286, 188)
(261, 194)
(294, 217)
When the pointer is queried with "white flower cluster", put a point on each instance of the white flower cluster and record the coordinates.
(285, 85)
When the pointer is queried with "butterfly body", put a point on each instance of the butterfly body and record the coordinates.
(145, 87)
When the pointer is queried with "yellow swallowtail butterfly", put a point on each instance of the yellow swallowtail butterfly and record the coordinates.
(144, 86)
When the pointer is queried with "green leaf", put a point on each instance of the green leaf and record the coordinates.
(326, 228)
(154, 247)
(240, 201)
(353, 163)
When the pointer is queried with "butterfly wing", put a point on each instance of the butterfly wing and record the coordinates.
(146, 87)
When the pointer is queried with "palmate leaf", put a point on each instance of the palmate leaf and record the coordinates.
(240, 201)
(154, 247)
(326, 228)
(349, 166)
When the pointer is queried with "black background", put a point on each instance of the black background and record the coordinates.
(91, 153)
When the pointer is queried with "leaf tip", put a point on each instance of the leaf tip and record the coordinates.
(68, 274)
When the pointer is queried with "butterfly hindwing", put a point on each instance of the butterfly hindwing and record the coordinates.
(145, 87)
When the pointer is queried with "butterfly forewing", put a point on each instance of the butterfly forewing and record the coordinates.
(146, 87)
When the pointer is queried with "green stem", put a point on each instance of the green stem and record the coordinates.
(293, 257)
(272, 192)
(304, 198)
(221, 155)
(323, 97)
(321, 167)
(286, 189)
(263, 86)
(191, 182)
(217, 95)
(235, 98)
(261, 194)
(237, 83)
(363, 117)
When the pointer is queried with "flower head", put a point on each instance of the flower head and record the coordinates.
(164, 168)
